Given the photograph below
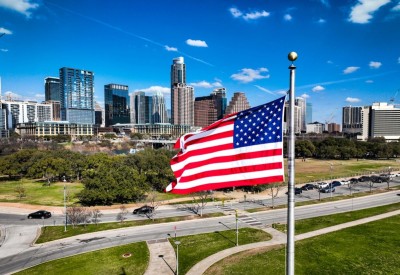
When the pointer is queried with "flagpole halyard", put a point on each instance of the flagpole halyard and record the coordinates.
(291, 172)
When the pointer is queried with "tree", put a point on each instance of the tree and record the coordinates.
(274, 190)
(96, 215)
(199, 202)
(153, 202)
(20, 190)
(77, 215)
(123, 212)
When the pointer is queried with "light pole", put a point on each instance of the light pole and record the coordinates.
(177, 256)
(237, 231)
(65, 206)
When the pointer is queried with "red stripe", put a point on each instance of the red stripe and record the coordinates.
(183, 156)
(213, 186)
(231, 171)
(242, 156)
(210, 137)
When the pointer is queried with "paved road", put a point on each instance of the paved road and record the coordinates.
(71, 246)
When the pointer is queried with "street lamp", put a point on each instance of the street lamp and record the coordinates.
(237, 231)
(177, 243)
(65, 205)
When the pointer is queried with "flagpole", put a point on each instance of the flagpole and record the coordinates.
(290, 210)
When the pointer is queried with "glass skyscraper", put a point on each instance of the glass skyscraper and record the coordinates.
(52, 88)
(76, 95)
(117, 105)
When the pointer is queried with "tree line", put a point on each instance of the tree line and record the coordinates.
(107, 179)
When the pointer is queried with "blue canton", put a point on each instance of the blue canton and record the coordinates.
(259, 125)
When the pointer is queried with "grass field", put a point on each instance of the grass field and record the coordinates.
(308, 171)
(102, 262)
(371, 248)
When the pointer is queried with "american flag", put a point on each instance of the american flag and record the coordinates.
(241, 149)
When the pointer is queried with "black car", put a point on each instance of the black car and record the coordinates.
(327, 190)
(335, 183)
(297, 191)
(145, 209)
(307, 186)
(41, 214)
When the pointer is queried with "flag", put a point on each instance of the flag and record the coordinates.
(241, 149)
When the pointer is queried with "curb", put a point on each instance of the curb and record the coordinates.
(3, 234)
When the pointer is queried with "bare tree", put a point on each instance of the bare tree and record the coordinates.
(77, 215)
(152, 201)
(199, 202)
(122, 214)
(350, 186)
(96, 215)
(274, 191)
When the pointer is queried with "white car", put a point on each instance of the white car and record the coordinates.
(345, 182)
(321, 185)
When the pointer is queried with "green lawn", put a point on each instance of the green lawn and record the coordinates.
(106, 261)
(371, 248)
(37, 193)
(197, 247)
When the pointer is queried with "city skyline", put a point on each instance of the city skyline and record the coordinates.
(347, 52)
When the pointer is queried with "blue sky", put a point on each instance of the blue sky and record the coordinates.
(348, 50)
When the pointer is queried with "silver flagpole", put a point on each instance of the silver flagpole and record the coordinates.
(290, 217)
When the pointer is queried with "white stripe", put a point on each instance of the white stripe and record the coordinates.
(168, 188)
(224, 153)
(229, 178)
(210, 132)
(232, 164)
(209, 144)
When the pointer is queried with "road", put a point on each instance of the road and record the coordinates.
(37, 254)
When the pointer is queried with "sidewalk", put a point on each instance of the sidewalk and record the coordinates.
(277, 239)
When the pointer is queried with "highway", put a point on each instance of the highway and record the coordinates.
(12, 261)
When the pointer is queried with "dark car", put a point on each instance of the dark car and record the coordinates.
(41, 214)
(364, 178)
(145, 209)
(335, 183)
(307, 186)
(297, 191)
(327, 190)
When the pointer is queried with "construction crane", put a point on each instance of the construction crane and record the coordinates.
(392, 99)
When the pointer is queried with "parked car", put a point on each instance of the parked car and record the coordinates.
(297, 191)
(344, 182)
(377, 179)
(145, 209)
(321, 185)
(353, 180)
(335, 183)
(327, 190)
(41, 214)
(307, 186)
(364, 178)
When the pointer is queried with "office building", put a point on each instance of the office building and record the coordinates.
(52, 88)
(220, 101)
(309, 118)
(159, 110)
(205, 112)
(238, 103)
(76, 97)
(315, 127)
(384, 121)
(142, 108)
(99, 115)
(352, 120)
(117, 104)
(56, 109)
(301, 102)
(297, 119)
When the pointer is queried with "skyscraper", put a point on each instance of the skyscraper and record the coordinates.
(159, 111)
(238, 103)
(182, 96)
(301, 102)
(77, 90)
(309, 118)
(219, 96)
(352, 120)
(117, 104)
(208, 109)
(52, 88)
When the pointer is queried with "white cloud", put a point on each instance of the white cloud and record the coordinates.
(321, 21)
(21, 6)
(318, 88)
(362, 12)
(206, 84)
(396, 8)
(287, 17)
(352, 99)
(398, 60)
(248, 16)
(305, 96)
(329, 62)
(369, 81)
(196, 43)
(39, 96)
(4, 50)
(248, 75)
(155, 89)
(375, 64)
(171, 49)
(264, 89)
(350, 70)
(11, 95)
(3, 30)
(217, 84)
(235, 12)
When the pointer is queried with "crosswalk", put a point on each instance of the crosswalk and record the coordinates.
(250, 220)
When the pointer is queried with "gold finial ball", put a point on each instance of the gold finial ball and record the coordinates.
(292, 56)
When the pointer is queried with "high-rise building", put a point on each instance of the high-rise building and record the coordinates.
(52, 88)
(182, 101)
(142, 108)
(220, 101)
(182, 96)
(385, 121)
(205, 112)
(238, 103)
(76, 97)
(56, 109)
(99, 115)
(297, 119)
(301, 102)
(309, 113)
(159, 111)
(117, 104)
(352, 122)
